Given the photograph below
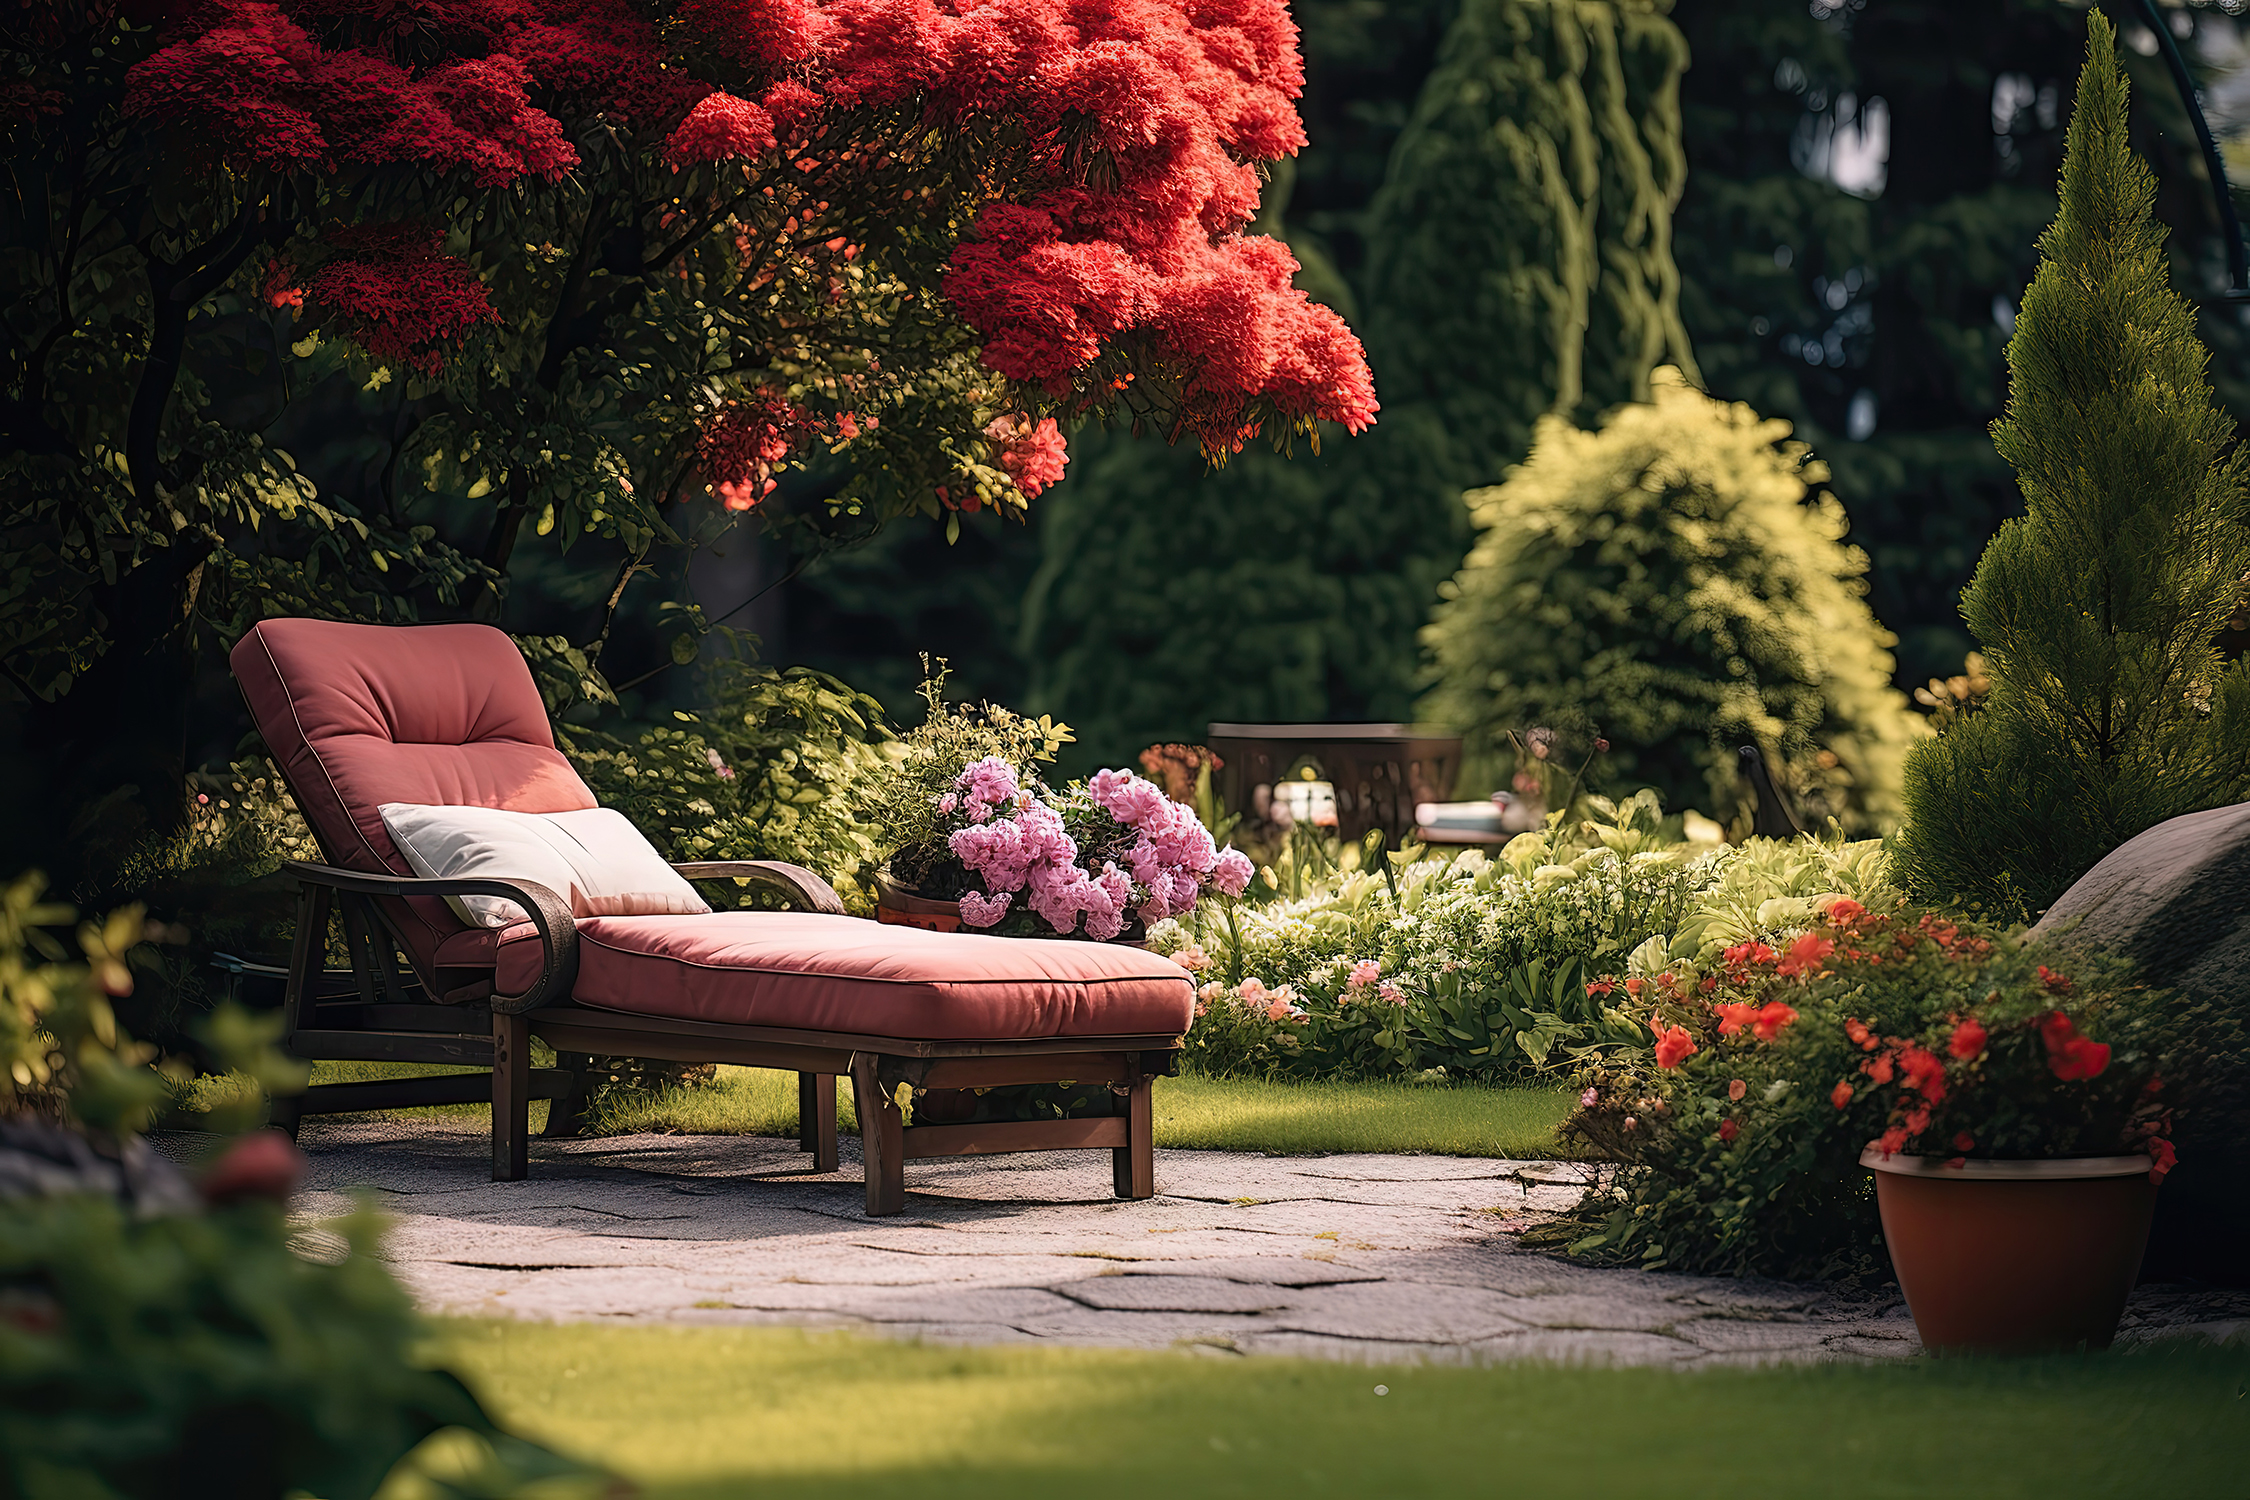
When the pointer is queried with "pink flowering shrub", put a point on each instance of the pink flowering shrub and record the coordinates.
(1247, 1029)
(1091, 860)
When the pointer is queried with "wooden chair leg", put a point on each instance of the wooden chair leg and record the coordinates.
(566, 1117)
(1133, 1165)
(882, 1138)
(511, 1098)
(816, 1119)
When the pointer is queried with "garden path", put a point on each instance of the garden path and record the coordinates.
(1348, 1257)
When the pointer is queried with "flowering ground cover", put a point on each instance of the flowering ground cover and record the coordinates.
(709, 1412)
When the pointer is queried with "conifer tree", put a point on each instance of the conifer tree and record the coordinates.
(2111, 709)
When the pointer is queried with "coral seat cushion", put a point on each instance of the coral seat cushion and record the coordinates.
(844, 974)
(360, 715)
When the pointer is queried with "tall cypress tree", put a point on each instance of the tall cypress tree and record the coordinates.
(1875, 319)
(2111, 710)
(1516, 261)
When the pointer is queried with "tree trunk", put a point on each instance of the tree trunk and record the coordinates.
(108, 759)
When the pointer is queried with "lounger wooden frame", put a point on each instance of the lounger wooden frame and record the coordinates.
(497, 1035)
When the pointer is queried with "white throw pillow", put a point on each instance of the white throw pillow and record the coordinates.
(594, 859)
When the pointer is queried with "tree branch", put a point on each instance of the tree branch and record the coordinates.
(702, 227)
(633, 565)
(175, 294)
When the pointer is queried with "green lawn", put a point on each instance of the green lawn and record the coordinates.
(1191, 1113)
(701, 1413)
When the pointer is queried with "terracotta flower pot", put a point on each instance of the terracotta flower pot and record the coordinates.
(902, 908)
(2015, 1257)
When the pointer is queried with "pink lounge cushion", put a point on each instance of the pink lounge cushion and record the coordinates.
(360, 715)
(844, 974)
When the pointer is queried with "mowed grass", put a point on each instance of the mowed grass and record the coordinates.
(1192, 1113)
(704, 1413)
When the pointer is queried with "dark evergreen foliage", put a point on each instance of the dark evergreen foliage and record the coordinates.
(2111, 709)
(1517, 261)
(1905, 293)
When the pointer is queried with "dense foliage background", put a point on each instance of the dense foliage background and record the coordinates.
(1853, 270)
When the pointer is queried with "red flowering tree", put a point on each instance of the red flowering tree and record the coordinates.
(598, 266)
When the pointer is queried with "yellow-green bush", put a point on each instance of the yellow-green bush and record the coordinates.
(1676, 582)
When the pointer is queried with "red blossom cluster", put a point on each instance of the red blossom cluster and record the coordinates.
(1148, 117)
(398, 294)
(719, 127)
(1120, 243)
(741, 445)
(251, 85)
(1765, 1022)
(1033, 453)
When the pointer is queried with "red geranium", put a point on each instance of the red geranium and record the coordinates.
(1673, 1046)
(2072, 1056)
(1968, 1039)
(1771, 1019)
(1805, 956)
(1925, 1073)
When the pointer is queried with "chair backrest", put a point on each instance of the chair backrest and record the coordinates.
(359, 715)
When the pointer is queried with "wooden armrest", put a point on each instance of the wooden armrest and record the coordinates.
(805, 890)
(558, 934)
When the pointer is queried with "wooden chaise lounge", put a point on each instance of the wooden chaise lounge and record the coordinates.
(359, 716)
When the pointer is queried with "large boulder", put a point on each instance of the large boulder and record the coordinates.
(2176, 902)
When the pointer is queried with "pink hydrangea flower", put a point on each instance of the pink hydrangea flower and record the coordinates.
(984, 911)
(1390, 993)
(991, 781)
(1130, 799)
(1232, 872)
(1192, 958)
(1364, 973)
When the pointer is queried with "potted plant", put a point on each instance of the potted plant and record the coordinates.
(2018, 1167)
(980, 842)
(2014, 1116)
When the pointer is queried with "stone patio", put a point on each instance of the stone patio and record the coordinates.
(1344, 1257)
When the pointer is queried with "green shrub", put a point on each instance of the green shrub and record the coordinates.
(199, 1354)
(779, 767)
(163, 1346)
(1673, 581)
(2110, 708)
(1464, 967)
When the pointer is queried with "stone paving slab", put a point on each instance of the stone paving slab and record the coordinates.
(1363, 1258)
